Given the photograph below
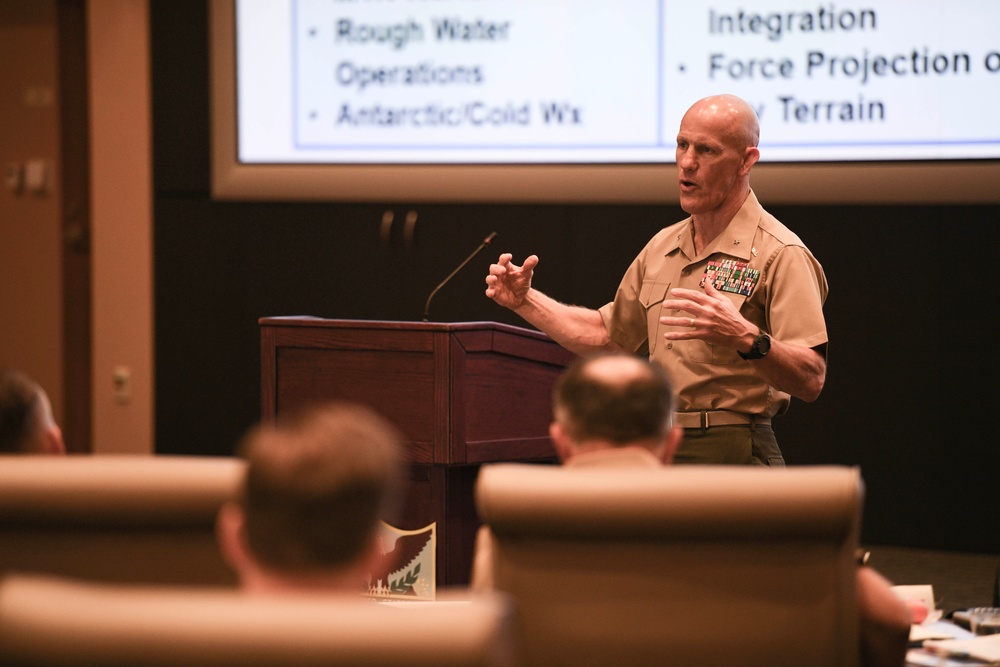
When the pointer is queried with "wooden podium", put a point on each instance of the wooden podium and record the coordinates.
(462, 394)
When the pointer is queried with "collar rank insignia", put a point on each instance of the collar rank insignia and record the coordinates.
(729, 275)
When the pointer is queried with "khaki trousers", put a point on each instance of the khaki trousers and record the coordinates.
(737, 445)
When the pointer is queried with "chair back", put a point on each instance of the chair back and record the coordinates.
(45, 621)
(679, 565)
(122, 518)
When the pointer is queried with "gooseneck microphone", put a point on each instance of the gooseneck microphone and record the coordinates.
(486, 242)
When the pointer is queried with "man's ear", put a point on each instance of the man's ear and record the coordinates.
(53, 441)
(750, 158)
(561, 441)
(671, 443)
(230, 531)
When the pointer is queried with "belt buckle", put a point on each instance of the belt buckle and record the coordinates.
(703, 416)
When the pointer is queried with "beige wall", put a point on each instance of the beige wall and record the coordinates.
(30, 251)
(121, 211)
(121, 222)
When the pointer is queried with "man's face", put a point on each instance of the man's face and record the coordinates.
(709, 164)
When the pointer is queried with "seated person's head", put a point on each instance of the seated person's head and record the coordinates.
(316, 487)
(26, 422)
(614, 400)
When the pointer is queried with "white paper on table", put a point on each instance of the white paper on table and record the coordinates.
(918, 657)
(985, 648)
(937, 630)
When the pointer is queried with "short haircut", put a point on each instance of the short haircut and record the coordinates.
(24, 412)
(317, 484)
(591, 406)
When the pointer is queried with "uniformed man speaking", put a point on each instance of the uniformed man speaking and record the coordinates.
(728, 301)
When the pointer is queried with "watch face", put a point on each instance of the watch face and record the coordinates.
(761, 346)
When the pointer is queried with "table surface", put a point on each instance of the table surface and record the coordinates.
(943, 629)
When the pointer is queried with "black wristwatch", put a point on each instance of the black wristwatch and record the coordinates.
(761, 346)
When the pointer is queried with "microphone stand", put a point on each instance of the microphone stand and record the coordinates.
(486, 242)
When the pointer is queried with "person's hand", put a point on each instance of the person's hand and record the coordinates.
(709, 316)
(508, 283)
(918, 610)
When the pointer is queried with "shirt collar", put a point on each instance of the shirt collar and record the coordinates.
(629, 456)
(735, 240)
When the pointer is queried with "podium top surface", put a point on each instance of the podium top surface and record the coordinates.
(398, 325)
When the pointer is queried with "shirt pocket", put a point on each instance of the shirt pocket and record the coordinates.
(651, 296)
(707, 353)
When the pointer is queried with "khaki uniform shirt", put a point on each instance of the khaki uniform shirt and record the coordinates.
(759, 264)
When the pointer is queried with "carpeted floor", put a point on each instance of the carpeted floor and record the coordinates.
(960, 580)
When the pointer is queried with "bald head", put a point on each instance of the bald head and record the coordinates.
(716, 149)
(616, 370)
(618, 398)
(733, 120)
